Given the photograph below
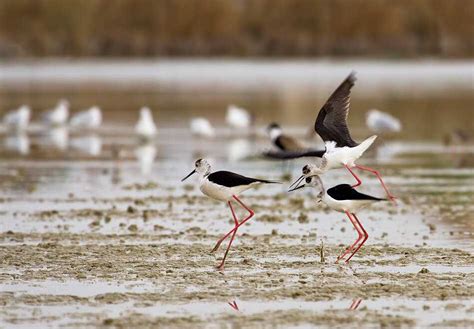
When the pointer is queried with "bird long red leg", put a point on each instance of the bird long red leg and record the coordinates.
(251, 213)
(376, 173)
(236, 222)
(355, 176)
(361, 236)
(366, 236)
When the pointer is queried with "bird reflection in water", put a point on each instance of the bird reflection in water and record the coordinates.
(145, 154)
(234, 305)
(355, 304)
(90, 144)
(19, 143)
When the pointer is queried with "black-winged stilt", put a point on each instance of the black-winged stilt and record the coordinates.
(225, 186)
(18, 119)
(343, 198)
(284, 142)
(341, 149)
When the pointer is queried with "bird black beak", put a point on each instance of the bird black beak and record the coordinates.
(192, 172)
(297, 188)
(296, 182)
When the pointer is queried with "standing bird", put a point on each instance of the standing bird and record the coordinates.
(238, 117)
(59, 115)
(343, 198)
(282, 141)
(225, 186)
(145, 127)
(201, 127)
(341, 149)
(18, 119)
(381, 122)
(89, 119)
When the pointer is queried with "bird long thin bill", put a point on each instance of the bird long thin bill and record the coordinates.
(296, 182)
(192, 172)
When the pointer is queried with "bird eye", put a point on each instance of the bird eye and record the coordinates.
(305, 169)
(197, 163)
(309, 179)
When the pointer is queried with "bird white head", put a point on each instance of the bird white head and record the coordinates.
(202, 167)
(307, 171)
(274, 130)
(312, 181)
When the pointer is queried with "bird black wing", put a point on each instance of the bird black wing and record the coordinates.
(347, 192)
(294, 155)
(230, 179)
(331, 123)
(287, 143)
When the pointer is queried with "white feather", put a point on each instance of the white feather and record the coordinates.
(145, 126)
(18, 119)
(91, 118)
(381, 122)
(238, 117)
(201, 127)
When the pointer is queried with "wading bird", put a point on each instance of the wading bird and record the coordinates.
(57, 116)
(341, 149)
(238, 117)
(201, 127)
(89, 119)
(18, 119)
(225, 186)
(288, 147)
(145, 127)
(343, 198)
(382, 123)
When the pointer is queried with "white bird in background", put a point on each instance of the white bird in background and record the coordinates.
(59, 115)
(18, 119)
(91, 118)
(238, 117)
(145, 127)
(202, 127)
(381, 122)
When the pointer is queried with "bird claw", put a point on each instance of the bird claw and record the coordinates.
(220, 268)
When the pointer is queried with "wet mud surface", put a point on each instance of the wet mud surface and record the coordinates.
(97, 242)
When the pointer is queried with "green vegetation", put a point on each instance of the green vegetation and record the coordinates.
(144, 28)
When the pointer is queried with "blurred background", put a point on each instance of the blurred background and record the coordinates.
(278, 59)
(241, 28)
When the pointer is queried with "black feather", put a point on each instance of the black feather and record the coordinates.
(331, 123)
(230, 179)
(347, 192)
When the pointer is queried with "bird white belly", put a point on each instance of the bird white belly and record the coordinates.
(351, 206)
(220, 192)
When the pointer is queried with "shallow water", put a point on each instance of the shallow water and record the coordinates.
(97, 229)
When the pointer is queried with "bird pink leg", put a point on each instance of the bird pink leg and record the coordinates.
(366, 236)
(355, 176)
(361, 236)
(390, 196)
(236, 222)
(251, 213)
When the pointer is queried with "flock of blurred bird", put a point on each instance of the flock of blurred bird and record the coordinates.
(56, 121)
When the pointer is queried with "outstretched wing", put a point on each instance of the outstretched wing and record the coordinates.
(331, 123)
(230, 179)
(347, 192)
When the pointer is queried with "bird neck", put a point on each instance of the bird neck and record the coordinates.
(275, 133)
